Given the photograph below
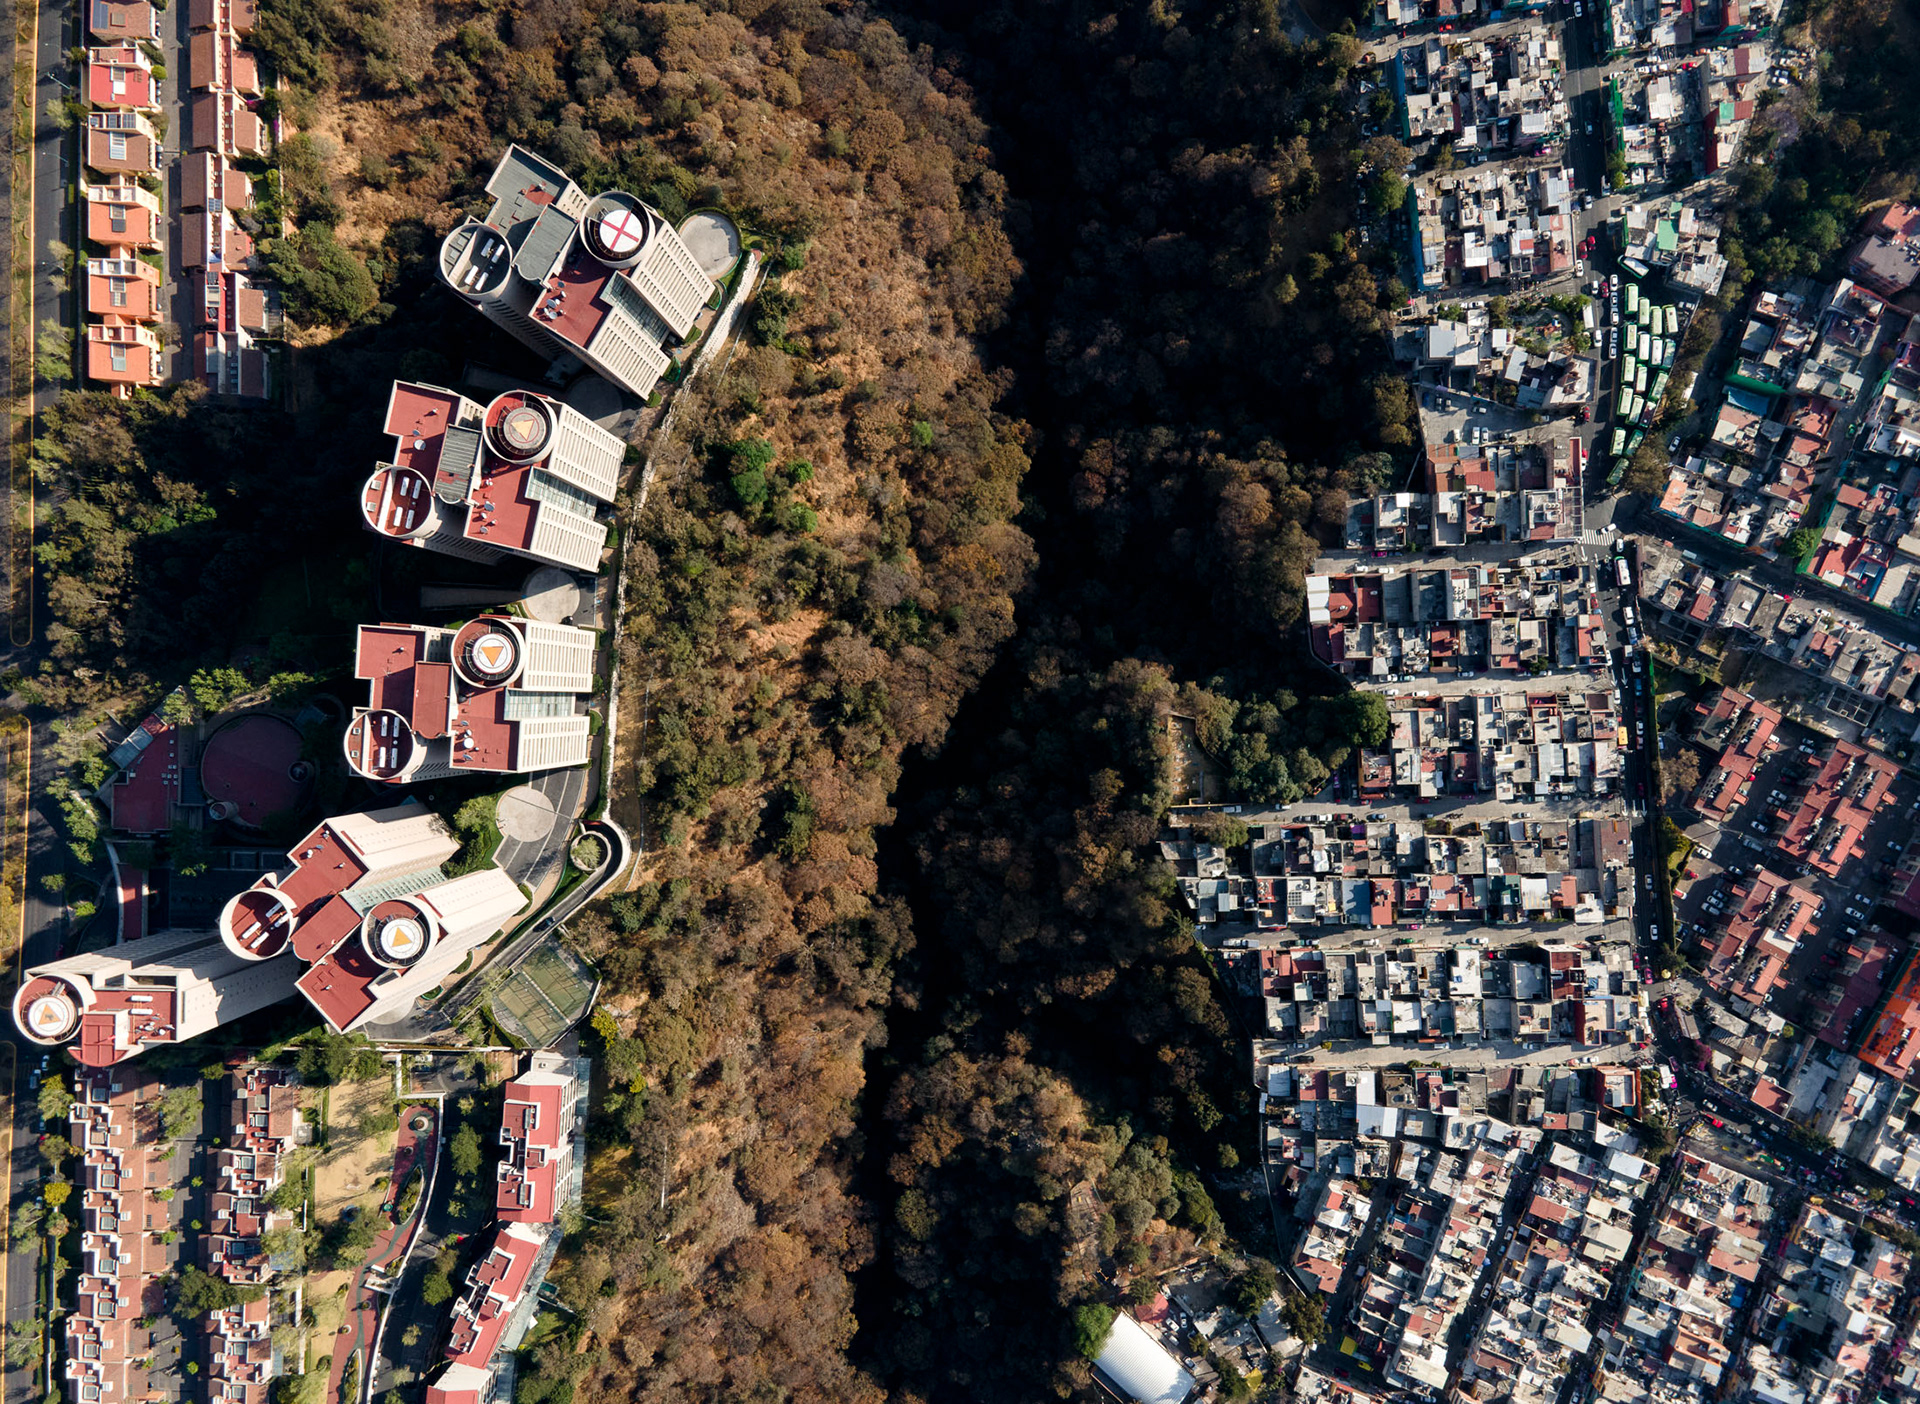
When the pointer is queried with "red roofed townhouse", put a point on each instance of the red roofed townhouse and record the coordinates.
(1748, 959)
(123, 217)
(119, 76)
(215, 60)
(1893, 1043)
(264, 1123)
(209, 180)
(212, 239)
(367, 909)
(222, 122)
(123, 289)
(537, 1129)
(240, 1352)
(233, 16)
(1828, 831)
(105, 1341)
(124, 357)
(602, 279)
(122, 21)
(523, 476)
(231, 365)
(496, 1289)
(498, 694)
(122, 143)
(1743, 729)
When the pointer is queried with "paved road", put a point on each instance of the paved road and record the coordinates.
(55, 151)
(532, 861)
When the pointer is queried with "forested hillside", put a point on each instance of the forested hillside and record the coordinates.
(848, 1162)
(1207, 362)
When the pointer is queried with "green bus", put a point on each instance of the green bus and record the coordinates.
(1619, 442)
(1619, 472)
(1633, 299)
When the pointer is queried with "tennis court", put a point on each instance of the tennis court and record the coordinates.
(546, 994)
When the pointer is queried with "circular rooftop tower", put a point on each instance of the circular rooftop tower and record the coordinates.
(398, 933)
(521, 426)
(487, 652)
(47, 1009)
(257, 924)
(381, 745)
(398, 502)
(617, 229)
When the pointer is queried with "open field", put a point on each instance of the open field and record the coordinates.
(352, 1170)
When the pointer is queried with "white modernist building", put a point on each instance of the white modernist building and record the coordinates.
(164, 988)
(498, 694)
(601, 279)
(522, 475)
(367, 909)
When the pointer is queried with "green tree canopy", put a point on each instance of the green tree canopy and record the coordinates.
(326, 284)
(1092, 1321)
(201, 1292)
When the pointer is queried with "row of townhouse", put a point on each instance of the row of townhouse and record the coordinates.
(1529, 616)
(1497, 494)
(1550, 993)
(1380, 872)
(264, 1123)
(1358, 1121)
(223, 314)
(113, 1125)
(537, 1177)
(1513, 746)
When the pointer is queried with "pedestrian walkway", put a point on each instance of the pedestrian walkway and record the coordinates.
(364, 1300)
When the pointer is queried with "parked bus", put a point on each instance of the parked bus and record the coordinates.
(1624, 402)
(1640, 381)
(1646, 315)
(1621, 573)
(1633, 299)
(1633, 444)
(1619, 472)
(1629, 363)
(1619, 442)
(1646, 347)
(1632, 412)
